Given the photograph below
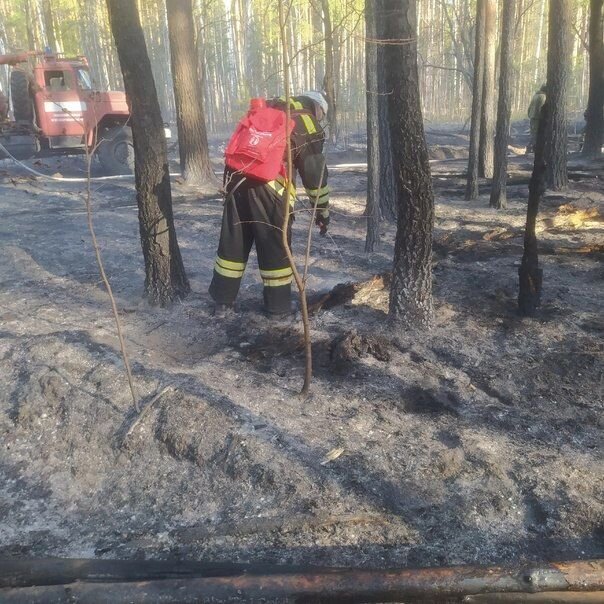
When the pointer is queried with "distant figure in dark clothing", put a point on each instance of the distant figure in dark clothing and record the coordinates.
(534, 111)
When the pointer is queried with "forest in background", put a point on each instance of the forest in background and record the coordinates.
(240, 54)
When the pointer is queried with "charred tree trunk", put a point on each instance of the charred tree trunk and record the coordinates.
(558, 72)
(504, 107)
(388, 199)
(165, 274)
(487, 117)
(531, 276)
(411, 289)
(192, 137)
(372, 210)
(594, 116)
(472, 182)
(329, 81)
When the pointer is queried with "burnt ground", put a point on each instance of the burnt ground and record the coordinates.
(478, 441)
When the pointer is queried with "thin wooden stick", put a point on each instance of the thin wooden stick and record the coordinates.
(286, 214)
(99, 261)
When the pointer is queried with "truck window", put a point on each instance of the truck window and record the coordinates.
(57, 80)
(83, 77)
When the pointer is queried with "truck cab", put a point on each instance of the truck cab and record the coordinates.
(56, 105)
(70, 114)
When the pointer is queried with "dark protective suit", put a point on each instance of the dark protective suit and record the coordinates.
(254, 212)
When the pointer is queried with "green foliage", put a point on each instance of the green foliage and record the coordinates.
(239, 50)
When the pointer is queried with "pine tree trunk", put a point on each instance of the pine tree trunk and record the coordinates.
(192, 136)
(49, 26)
(329, 81)
(530, 275)
(487, 118)
(387, 196)
(411, 290)
(558, 72)
(319, 61)
(372, 210)
(594, 116)
(472, 182)
(165, 274)
(31, 41)
(504, 107)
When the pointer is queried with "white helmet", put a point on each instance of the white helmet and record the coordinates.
(318, 98)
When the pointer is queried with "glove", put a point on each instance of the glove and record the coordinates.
(322, 222)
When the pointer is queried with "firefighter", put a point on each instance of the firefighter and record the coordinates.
(254, 212)
(534, 111)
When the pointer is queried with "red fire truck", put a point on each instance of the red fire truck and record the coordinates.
(57, 111)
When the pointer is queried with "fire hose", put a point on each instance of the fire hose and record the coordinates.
(61, 178)
(67, 179)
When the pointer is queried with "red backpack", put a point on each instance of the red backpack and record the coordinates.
(258, 144)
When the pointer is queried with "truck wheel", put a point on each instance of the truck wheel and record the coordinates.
(19, 146)
(116, 151)
(23, 106)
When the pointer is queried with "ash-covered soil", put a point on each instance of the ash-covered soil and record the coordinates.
(479, 441)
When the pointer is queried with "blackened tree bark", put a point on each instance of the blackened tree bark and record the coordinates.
(594, 116)
(558, 72)
(487, 116)
(504, 107)
(411, 289)
(329, 81)
(165, 278)
(372, 210)
(472, 182)
(530, 275)
(188, 96)
(387, 196)
(381, 199)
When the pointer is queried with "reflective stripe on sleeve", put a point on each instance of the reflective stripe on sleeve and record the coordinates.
(319, 197)
(322, 200)
(318, 192)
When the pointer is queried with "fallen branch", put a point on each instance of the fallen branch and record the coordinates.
(345, 292)
(589, 250)
(146, 409)
(248, 584)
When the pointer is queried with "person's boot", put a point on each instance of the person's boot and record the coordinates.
(222, 311)
(285, 314)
